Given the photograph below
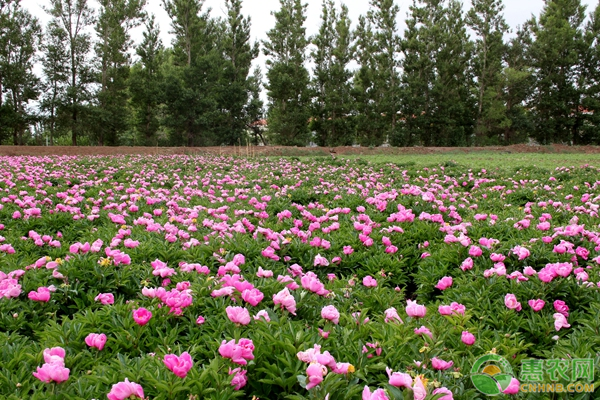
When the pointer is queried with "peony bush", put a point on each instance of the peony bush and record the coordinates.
(188, 277)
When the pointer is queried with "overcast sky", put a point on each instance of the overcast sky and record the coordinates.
(516, 12)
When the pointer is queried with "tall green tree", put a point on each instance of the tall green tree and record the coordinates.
(115, 20)
(437, 105)
(145, 84)
(486, 19)
(557, 60)
(193, 76)
(75, 17)
(21, 39)
(288, 79)
(55, 61)
(386, 47)
(254, 109)
(238, 54)
(332, 78)
(591, 80)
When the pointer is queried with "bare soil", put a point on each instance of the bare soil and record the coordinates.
(287, 151)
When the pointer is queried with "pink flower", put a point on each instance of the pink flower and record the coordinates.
(399, 379)
(445, 310)
(467, 264)
(315, 373)
(55, 355)
(475, 251)
(369, 281)
(561, 307)
(444, 283)
(521, 252)
(441, 365)
(285, 299)
(179, 365)
(348, 250)
(418, 388)
(141, 316)
(96, 340)
(50, 372)
(513, 387)
(443, 390)
(510, 300)
(125, 390)
(262, 314)
(378, 394)
(467, 338)
(105, 298)
(415, 310)
(252, 296)
(391, 314)
(331, 313)
(423, 331)
(200, 320)
(320, 261)
(238, 315)
(262, 273)
(42, 294)
(239, 378)
(537, 305)
(560, 321)
(239, 353)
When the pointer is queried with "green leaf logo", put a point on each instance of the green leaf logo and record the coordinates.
(491, 374)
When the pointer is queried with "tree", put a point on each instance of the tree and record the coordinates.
(486, 19)
(238, 53)
(116, 18)
(382, 17)
(74, 17)
(193, 74)
(21, 36)
(288, 78)
(254, 110)
(557, 60)
(145, 84)
(55, 61)
(331, 83)
(591, 80)
(369, 122)
(437, 104)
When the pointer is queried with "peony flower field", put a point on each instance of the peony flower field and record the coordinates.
(193, 277)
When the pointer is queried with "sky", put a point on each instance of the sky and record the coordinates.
(516, 12)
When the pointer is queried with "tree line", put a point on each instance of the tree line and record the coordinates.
(451, 78)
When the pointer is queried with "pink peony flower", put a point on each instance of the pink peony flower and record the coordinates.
(239, 353)
(378, 394)
(510, 300)
(391, 314)
(125, 390)
(96, 340)
(415, 310)
(315, 373)
(51, 372)
(238, 315)
(561, 307)
(467, 264)
(331, 313)
(42, 294)
(200, 320)
(444, 283)
(467, 338)
(443, 390)
(537, 305)
(239, 379)
(441, 365)
(252, 296)
(423, 331)
(179, 365)
(560, 321)
(141, 316)
(399, 379)
(105, 298)
(369, 281)
(286, 300)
